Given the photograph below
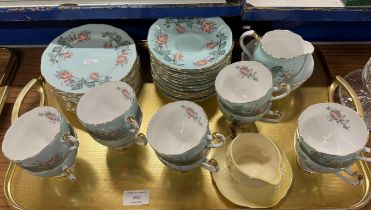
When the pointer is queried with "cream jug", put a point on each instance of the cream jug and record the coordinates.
(282, 51)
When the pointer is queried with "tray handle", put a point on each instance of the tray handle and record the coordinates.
(340, 81)
(36, 84)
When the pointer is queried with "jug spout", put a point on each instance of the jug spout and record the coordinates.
(308, 47)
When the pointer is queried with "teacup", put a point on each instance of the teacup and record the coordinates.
(39, 140)
(205, 163)
(266, 115)
(179, 133)
(66, 168)
(332, 135)
(111, 114)
(246, 87)
(282, 51)
(252, 156)
(308, 165)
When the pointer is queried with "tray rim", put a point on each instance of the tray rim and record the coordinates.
(361, 203)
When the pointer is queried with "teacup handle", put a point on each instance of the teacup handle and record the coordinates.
(277, 117)
(210, 165)
(339, 81)
(251, 34)
(366, 150)
(216, 136)
(68, 173)
(37, 85)
(69, 138)
(286, 88)
(134, 123)
(357, 178)
(141, 139)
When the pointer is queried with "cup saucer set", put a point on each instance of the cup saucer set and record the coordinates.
(94, 72)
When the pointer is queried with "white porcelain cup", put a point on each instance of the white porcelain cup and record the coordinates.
(179, 133)
(308, 165)
(246, 87)
(111, 114)
(332, 135)
(39, 140)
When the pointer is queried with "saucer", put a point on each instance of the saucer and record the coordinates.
(252, 195)
(86, 56)
(303, 75)
(187, 167)
(308, 164)
(190, 43)
(240, 118)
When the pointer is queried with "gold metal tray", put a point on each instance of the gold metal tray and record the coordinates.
(103, 174)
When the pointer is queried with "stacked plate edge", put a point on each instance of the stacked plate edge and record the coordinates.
(187, 55)
(86, 56)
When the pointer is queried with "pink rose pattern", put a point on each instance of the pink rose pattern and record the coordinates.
(338, 117)
(52, 117)
(122, 59)
(65, 43)
(52, 162)
(181, 26)
(280, 75)
(114, 40)
(190, 113)
(94, 76)
(246, 72)
(118, 43)
(67, 79)
(111, 135)
(125, 93)
(160, 42)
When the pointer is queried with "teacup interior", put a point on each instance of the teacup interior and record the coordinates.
(283, 44)
(177, 127)
(31, 133)
(332, 129)
(257, 157)
(105, 103)
(243, 81)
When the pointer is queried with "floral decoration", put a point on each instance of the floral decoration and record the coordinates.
(246, 72)
(182, 25)
(65, 43)
(280, 75)
(76, 83)
(51, 162)
(161, 49)
(117, 42)
(52, 117)
(217, 47)
(109, 135)
(251, 111)
(190, 113)
(338, 117)
(125, 93)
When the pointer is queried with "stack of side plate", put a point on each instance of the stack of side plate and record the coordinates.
(87, 56)
(187, 55)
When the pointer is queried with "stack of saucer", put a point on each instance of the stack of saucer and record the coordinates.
(187, 54)
(87, 56)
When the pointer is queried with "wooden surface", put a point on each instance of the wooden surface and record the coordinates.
(340, 59)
